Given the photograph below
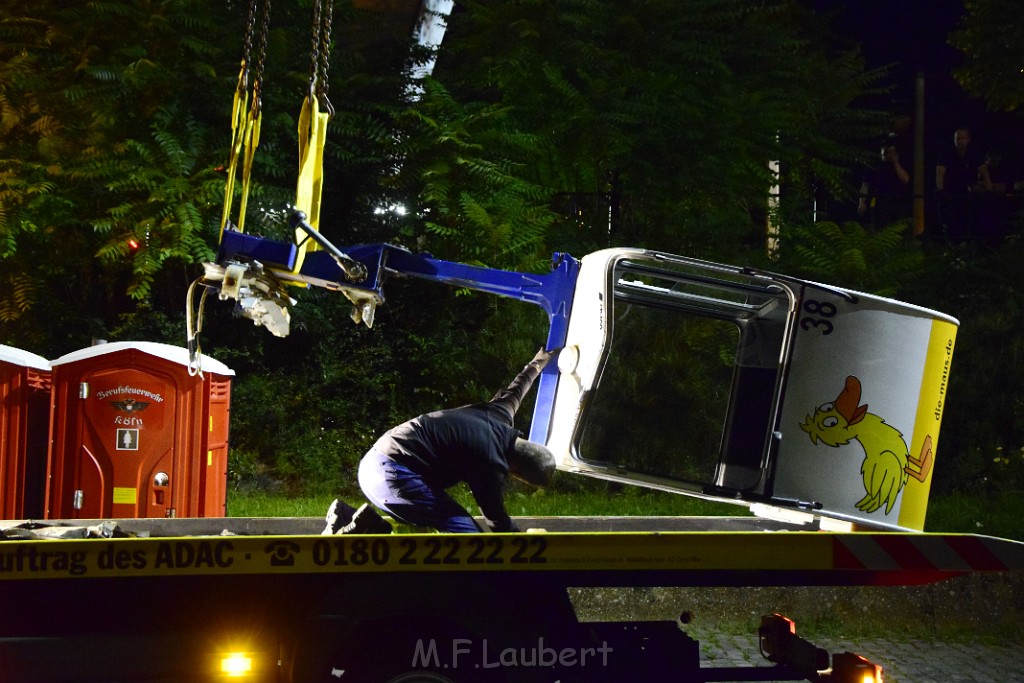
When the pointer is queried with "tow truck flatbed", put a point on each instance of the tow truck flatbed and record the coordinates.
(175, 599)
(655, 551)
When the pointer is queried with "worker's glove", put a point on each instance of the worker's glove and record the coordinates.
(542, 357)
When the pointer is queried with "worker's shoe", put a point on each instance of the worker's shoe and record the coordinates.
(338, 515)
(366, 521)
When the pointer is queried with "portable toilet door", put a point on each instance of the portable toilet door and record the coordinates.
(130, 429)
(24, 431)
(213, 473)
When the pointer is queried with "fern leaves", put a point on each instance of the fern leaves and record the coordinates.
(467, 168)
(851, 256)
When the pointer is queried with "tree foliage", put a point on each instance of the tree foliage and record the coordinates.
(565, 126)
(106, 159)
(849, 255)
(989, 36)
(652, 123)
(466, 169)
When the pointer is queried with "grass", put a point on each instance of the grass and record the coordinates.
(575, 499)
(603, 499)
(996, 515)
(261, 504)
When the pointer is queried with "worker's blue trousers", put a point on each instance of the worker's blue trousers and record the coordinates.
(404, 495)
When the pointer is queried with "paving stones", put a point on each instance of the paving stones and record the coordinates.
(901, 661)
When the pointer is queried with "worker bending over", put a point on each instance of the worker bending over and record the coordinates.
(407, 471)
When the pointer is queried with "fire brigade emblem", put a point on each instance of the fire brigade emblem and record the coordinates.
(130, 405)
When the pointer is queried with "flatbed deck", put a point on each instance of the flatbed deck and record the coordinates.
(584, 551)
(172, 599)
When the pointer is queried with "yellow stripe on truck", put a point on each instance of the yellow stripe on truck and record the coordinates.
(761, 558)
(544, 552)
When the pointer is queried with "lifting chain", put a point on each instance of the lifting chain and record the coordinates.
(261, 53)
(247, 110)
(320, 51)
(316, 112)
(246, 115)
(245, 123)
(255, 118)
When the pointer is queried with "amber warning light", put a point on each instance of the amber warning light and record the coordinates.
(780, 644)
(236, 665)
(850, 668)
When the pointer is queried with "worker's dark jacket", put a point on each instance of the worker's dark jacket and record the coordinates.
(467, 444)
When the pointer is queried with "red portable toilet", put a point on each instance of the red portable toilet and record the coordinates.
(24, 432)
(136, 434)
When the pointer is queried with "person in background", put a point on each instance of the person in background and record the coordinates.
(884, 196)
(960, 171)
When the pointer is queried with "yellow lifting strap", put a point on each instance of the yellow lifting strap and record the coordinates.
(238, 118)
(315, 115)
(245, 137)
(252, 141)
(309, 189)
(247, 116)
